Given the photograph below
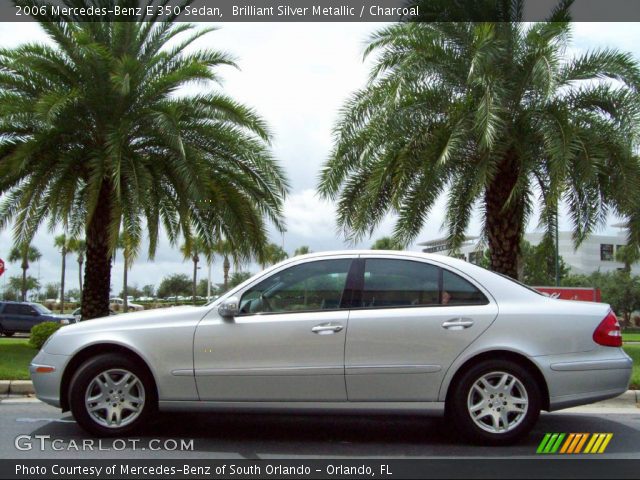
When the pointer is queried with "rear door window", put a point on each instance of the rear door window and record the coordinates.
(404, 283)
(400, 283)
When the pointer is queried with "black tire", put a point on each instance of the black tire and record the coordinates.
(8, 334)
(84, 377)
(457, 410)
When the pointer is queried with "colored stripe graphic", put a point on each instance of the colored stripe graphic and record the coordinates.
(573, 443)
(543, 443)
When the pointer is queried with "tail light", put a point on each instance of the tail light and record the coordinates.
(608, 332)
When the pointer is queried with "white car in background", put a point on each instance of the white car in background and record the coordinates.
(77, 313)
(117, 304)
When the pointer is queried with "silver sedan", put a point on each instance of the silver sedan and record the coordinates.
(355, 331)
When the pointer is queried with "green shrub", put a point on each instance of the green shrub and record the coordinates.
(41, 332)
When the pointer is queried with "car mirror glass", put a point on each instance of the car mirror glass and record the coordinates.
(229, 307)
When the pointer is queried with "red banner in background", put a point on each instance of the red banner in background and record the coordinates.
(572, 293)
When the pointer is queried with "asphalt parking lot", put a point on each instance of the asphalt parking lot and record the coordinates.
(236, 436)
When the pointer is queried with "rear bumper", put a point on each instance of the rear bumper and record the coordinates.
(584, 378)
(47, 385)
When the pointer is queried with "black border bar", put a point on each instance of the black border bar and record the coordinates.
(455, 468)
(220, 11)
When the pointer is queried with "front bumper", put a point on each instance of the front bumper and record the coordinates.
(47, 380)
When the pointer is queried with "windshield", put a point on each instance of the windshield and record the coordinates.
(41, 308)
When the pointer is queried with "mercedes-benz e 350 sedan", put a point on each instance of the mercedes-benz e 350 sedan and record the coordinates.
(355, 331)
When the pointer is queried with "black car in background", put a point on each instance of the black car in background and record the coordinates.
(22, 316)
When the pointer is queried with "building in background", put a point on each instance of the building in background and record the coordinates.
(597, 252)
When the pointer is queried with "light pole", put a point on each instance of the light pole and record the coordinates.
(209, 283)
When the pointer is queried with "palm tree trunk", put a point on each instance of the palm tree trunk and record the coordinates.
(97, 274)
(504, 224)
(25, 266)
(125, 289)
(195, 277)
(80, 262)
(64, 265)
(226, 266)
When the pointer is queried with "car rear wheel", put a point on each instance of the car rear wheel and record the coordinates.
(111, 395)
(8, 334)
(495, 402)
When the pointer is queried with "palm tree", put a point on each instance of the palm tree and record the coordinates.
(495, 115)
(25, 254)
(628, 255)
(191, 250)
(129, 253)
(271, 255)
(96, 133)
(230, 253)
(303, 250)
(386, 243)
(79, 246)
(64, 243)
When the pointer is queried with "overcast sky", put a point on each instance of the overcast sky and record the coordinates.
(296, 75)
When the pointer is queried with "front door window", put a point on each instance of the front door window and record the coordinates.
(312, 286)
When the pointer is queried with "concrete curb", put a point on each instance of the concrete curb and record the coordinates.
(629, 399)
(16, 387)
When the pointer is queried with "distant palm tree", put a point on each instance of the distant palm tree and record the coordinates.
(225, 248)
(192, 250)
(272, 254)
(129, 249)
(79, 246)
(24, 254)
(18, 283)
(493, 115)
(98, 133)
(628, 255)
(65, 244)
(386, 243)
(303, 250)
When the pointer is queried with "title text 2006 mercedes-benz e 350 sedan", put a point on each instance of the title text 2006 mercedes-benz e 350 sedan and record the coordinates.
(358, 331)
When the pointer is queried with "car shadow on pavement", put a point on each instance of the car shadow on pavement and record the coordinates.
(258, 435)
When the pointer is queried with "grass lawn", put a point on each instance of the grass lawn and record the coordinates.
(630, 337)
(15, 356)
(634, 352)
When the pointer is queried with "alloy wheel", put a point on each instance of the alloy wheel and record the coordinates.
(115, 398)
(497, 402)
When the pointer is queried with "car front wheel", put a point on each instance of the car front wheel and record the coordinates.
(495, 402)
(111, 395)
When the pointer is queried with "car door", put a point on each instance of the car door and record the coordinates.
(20, 317)
(412, 319)
(287, 344)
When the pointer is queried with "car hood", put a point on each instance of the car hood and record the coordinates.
(134, 319)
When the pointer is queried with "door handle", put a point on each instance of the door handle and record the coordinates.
(457, 324)
(327, 328)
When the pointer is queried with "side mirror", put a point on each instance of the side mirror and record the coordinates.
(229, 308)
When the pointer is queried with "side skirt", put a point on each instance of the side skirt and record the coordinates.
(435, 409)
